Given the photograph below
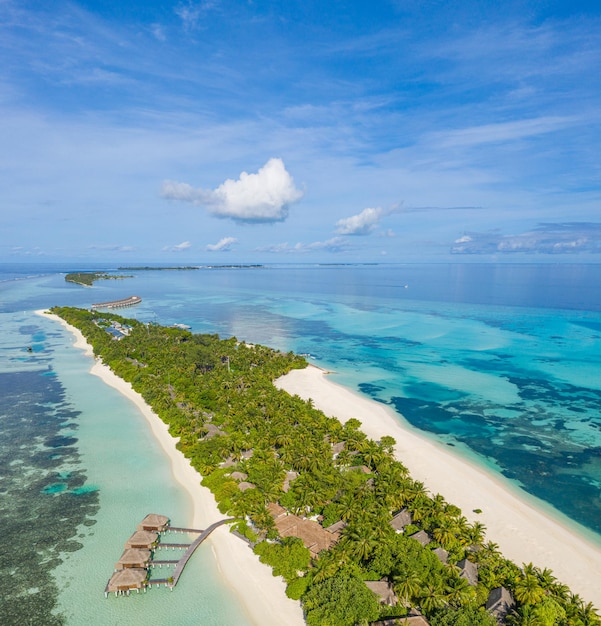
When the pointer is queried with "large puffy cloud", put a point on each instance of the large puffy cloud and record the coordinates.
(223, 245)
(361, 224)
(261, 197)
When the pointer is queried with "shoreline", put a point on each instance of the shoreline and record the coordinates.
(262, 596)
(523, 532)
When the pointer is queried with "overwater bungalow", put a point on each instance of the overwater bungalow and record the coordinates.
(143, 539)
(125, 580)
(134, 557)
(154, 522)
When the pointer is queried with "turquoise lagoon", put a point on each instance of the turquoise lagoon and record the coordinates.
(500, 362)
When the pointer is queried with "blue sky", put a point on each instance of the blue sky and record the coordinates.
(262, 131)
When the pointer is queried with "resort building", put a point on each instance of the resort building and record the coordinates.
(134, 558)
(400, 520)
(500, 602)
(384, 590)
(442, 554)
(123, 581)
(469, 571)
(154, 523)
(314, 536)
(143, 539)
(422, 536)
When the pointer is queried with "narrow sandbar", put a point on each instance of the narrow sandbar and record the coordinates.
(523, 533)
(262, 595)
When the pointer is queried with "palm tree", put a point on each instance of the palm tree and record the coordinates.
(407, 586)
(431, 598)
(528, 590)
(459, 591)
(588, 614)
(360, 542)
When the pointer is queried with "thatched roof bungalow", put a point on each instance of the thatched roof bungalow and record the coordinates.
(238, 475)
(134, 557)
(127, 579)
(313, 535)
(442, 554)
(244, 486)
(154, 522)
(500, 602)
(337, 527)
(384, 590)
(409, 620)
(422, 536)
(469, 571)
(400, 520)
(144, 539)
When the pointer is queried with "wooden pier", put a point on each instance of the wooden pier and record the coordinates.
(118, 304)
(137, 576)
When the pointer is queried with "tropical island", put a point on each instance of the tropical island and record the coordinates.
(355, 537)
(87, 279)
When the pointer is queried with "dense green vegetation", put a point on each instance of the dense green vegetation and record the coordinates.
(217, 396)
(87, 278)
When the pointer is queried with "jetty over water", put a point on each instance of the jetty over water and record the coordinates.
(118, 304)
(132, 571)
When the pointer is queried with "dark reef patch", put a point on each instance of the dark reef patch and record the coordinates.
(44, 502)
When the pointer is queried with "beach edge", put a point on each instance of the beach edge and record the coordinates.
(523, 533)
(262, 595)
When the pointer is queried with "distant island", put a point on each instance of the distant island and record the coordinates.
(353, 535)
(148, 268)
(87, 278)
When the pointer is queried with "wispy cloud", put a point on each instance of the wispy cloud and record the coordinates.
(261, 197)
(180, 247)
(560, 238)
(112, 248)
(223, 245)
(336, 244)
(497, 133)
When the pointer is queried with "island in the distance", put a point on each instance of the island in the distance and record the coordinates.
(333, 512)
(87, 279)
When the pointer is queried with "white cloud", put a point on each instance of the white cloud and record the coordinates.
(261, 197)
(180, 247)
(223, 245)
(360, 224)
(335, 244)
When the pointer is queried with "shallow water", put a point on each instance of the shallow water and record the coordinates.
(503, 362)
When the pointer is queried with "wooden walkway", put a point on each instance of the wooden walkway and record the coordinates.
(179, 568)
(180, 563)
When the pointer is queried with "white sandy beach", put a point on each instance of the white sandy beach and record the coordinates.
(262, 595)
(524, 534)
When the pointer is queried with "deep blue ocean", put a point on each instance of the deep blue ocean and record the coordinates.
(501, 362)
